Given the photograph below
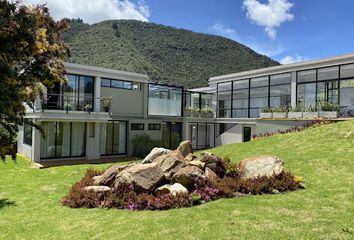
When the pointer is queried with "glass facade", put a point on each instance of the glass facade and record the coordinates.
(63, 139)
(165, 100)
(122, 84)
(198, 99)
(224, 100)
(78, 93)
(201, 135)
(113, 138)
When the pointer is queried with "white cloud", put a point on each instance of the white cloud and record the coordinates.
(93, 11)
(292, 59)
(251, 42)
(269, 15)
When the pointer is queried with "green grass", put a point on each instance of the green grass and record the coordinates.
(324, 157)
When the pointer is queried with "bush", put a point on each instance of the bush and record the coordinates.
(143, 144)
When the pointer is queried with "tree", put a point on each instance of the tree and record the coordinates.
(31, 58)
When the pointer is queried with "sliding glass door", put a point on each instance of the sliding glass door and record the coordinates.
(63, 139)
(113, 138)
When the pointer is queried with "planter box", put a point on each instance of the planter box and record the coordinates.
(328, 114)
(280, 115)
(310, 114)
(187, 114)
(196, 114)
(295, 115)
(266, 115)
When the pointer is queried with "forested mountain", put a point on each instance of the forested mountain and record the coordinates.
(165, 53)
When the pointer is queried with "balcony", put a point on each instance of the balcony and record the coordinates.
(60, 102)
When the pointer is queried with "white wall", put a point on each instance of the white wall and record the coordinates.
(234, 134)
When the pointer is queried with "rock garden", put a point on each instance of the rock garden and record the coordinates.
(178, 178)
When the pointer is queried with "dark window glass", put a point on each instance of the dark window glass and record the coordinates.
(105, 82)
(117, 84)
(27, 134)
(154, 126)
(137, 126)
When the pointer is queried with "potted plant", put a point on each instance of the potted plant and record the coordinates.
(310, 112)
(106, 103)
(295, 112)
(188, 111)
(196, 112)
(207, 112)
(88, 107)
(280, 112)
(328, 110)
(67, 106)
(267, 112)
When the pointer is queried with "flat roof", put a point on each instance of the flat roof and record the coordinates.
(341, 59)
(75, 68)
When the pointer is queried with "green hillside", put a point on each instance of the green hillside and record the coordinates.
(324, 156)
(165, 53)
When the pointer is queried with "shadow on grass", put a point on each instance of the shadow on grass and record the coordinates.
(5, 203)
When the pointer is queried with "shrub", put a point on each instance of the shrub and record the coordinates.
(143, 145)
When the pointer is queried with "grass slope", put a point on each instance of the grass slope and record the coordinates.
(30, 209)
(165, 53)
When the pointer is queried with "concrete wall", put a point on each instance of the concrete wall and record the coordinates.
(22, 148)
(234, 134)
(273, 126)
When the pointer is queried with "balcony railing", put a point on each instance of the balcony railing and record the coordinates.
(74, 103)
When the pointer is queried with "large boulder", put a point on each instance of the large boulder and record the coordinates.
(145, 176)
(214, 162)
(107, 178)
(171, 189)
(185, 147)
(261, 166)
(187, 175)
(170, 163)
(197, 163)
(212, 177)
(155, 152)
(190, 157)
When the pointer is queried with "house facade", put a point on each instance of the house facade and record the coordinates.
(100, 111)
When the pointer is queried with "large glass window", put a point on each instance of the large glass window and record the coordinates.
(123, 84)
(63, 139)
(327, 92)
(224, 100)
(306, 76)
(258, 95)
(165, 100)
(201, 135)
(347, 97)
(240, 98)
(347, 71)
(27, 134)
(306, 95)
(328, 73)
(113, 138)
(280, 90)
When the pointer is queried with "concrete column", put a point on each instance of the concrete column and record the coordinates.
(293, 89)
(97, 96)
(36, 144)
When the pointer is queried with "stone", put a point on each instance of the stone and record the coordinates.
(302, 185)
(145, 176)
(171, 189)
(261, 166)
(275, 191)
(187, 175)
(97, 188)
(212, 176)
(197, 163)
(155, 152)
(190, 157)
(170, 163)
(108, 177)
(185, 147)
(214, 162)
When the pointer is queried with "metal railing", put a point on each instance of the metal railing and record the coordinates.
(73, 103)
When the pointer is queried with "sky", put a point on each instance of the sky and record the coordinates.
(286, 30)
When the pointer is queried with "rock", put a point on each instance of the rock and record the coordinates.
(171, 189)
(302, 185)
(212, 177)
(190, 157)
(214, 162)
(97, 188)
(145, 176)
(187, 175)
(275, 191)
(185, 147)
(170, 163)
(197, 163)
(260, 166)
(155, 152)
(107, 178)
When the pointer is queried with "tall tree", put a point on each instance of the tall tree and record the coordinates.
(31, 58)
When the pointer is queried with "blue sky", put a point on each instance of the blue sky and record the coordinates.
(285, 30)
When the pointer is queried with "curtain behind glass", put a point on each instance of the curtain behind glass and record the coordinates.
(103, 138)
(78, 139)
(122, 137)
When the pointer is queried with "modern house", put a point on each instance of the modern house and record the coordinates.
(100, 111)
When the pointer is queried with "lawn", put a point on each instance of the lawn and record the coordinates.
(30, 199)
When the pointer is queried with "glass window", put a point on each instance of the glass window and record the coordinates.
(137, 126)
(306, 94)
(105, 82)
(347, 71)
(306, 76)
(224, 86)
(280, 95)
(113, 138)
(328, 73)
(117, 84)
(280, 79)
(165, 100)
(241, 84)
(154, 126)
(27, 134)
(347, 97)
(259, 82)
